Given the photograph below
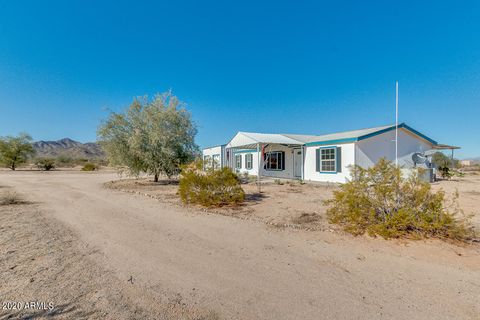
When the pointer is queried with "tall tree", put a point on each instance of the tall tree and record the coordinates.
(152, 136)
(15, 151)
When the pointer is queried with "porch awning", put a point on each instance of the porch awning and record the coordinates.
(445, 147)
(251, 139)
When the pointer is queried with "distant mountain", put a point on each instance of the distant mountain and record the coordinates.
(68, 148)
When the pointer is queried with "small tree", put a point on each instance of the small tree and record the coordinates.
(15, 151)
(440, 160)
(154, 136)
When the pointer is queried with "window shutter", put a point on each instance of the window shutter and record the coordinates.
(339, 159)
(317, 160)
(283, 160)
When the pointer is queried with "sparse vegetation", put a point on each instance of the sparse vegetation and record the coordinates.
(155, 137)
(439, 159)
(15, 151)
(89, 167)
(278, 182)
(46, 164)
(380, 201)
(11, 198)
(210, 188)
(306, 218)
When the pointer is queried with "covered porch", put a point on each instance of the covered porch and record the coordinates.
(266, 155)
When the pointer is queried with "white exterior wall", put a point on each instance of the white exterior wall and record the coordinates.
(369, 151)
(254, 170)
(347, 158)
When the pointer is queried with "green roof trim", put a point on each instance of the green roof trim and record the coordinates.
(327, 142)
(370, 135)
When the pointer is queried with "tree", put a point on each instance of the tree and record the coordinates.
(15, 151)
(153, 136)
(439, 159)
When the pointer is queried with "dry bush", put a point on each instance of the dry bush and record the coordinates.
(306, 218)
(380, 201)
(11, 198)
(90, 167)
(211, 188)
(45, 164)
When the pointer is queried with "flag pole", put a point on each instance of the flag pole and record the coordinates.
(396, 123)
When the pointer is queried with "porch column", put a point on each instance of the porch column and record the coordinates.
(259, 166)
(303, 163)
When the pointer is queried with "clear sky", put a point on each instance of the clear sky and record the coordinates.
(284, 67)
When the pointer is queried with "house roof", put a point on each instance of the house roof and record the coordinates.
(251, 139)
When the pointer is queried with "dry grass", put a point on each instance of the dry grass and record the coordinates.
(306, 218)
(8, 198)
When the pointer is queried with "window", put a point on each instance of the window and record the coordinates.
(249, 161)
(238, 161)
(328, 160)
(216, 161)
(274, 160)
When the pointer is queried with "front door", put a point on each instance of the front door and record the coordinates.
(297, 163)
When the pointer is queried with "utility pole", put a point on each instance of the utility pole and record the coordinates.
(396, 124)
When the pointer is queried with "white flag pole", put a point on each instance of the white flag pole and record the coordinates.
(396, 124)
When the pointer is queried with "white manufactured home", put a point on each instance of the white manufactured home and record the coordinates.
(325, 158)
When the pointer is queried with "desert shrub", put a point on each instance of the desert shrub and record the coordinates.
(380, 201)
(89, 167)
(11, 198)
(211, 187)
(278, 182)
(46, 164)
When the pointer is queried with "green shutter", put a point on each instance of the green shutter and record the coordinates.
(339, 159)
(317, 160)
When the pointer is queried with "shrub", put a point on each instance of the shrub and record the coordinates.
(210, 188)
(46, 164)
(89, 167)
(380, 201)
(11, 198)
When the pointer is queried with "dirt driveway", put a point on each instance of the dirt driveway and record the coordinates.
(247, 270)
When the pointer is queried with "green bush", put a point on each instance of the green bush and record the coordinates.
(211, 188)
(46, 164)
(89, 167)
(380, 201)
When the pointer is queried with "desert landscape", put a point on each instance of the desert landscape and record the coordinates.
(98, 246)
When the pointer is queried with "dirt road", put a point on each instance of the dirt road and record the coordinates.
(246, 270)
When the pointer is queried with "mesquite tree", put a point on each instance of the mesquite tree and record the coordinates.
(15, 151)
(152, 136)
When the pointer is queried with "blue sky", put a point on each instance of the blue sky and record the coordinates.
(307, 67)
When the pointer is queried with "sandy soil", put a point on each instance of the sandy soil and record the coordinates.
(45, 263)
(240, 269)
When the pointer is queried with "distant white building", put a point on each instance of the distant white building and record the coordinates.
(466, 163)
(324, 158)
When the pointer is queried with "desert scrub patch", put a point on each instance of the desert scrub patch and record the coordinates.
(379, 201)
(45, 164)
(210, 188)
(90, 167)
(305, 218)
(11, 198)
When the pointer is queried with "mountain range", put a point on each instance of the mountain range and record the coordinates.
(68, 148)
